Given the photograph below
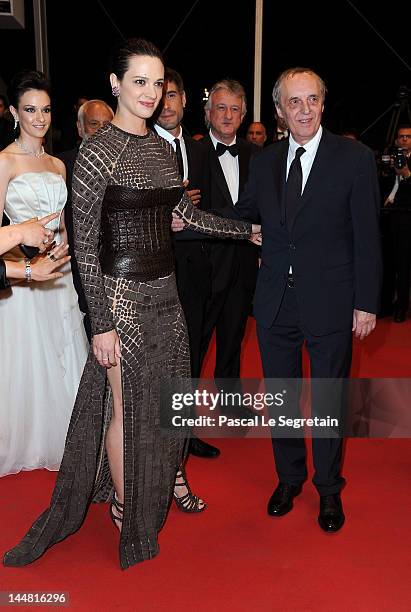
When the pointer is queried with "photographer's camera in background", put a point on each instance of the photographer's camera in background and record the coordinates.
(399, 158)
(386, 164)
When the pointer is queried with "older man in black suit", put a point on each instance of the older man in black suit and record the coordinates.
(234, 265)
(316, 195)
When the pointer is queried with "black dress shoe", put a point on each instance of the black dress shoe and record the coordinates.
(199, 448)
(281, 501)
(331, 517)
(400, 314)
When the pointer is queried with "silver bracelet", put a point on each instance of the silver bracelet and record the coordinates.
(27, 272)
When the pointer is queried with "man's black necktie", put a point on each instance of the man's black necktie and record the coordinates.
(293, 187)
(222, 148)
(179, 157)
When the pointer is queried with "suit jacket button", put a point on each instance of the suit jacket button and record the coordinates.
(292, 246)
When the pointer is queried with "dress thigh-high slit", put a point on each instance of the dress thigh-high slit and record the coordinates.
(153, 339)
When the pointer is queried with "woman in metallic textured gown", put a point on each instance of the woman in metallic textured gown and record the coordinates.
(125, 187)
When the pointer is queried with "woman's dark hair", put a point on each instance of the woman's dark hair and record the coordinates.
(24, 81)
(121, 54)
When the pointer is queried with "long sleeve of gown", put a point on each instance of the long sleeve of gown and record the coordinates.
(207, 223)
(91, 173)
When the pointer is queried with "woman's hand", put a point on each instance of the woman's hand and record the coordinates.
(43, 267)
(106, 348)
(35, 234)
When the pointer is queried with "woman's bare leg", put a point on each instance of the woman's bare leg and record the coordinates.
(115, 434)
(114, 445)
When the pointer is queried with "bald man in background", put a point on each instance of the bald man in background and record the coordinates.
(91, 116)
(257, 134)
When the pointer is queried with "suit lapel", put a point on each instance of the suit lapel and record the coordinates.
(318, 169)
(243, 163)
(187, 143)
(279, 170)
(217, 171)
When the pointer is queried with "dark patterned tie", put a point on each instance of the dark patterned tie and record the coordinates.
(293, 187)
(179, 157)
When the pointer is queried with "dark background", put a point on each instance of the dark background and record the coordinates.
(217, 40)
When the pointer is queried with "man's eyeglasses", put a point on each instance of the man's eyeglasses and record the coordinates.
(405, 136)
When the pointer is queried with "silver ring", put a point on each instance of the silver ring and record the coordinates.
(52, 257)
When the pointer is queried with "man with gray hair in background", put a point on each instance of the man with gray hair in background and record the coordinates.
(234, 265)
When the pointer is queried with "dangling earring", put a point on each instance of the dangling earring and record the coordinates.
(16, 122)
(115, 91)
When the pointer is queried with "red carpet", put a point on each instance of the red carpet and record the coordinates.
(234, 557)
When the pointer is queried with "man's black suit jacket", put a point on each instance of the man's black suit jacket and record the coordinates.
(333, 244)
(193, 268)
(219, 200)
(69, 158)
(197, 174)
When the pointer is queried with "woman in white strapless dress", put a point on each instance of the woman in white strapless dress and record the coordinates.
(42, 338)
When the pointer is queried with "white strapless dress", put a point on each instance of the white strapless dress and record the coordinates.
(43, 344)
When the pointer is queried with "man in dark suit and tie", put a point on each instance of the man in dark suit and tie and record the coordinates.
(234, 265)
(316, 195)
(193, 270)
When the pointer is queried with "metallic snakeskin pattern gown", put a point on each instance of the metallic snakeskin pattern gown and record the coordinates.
(125, 188)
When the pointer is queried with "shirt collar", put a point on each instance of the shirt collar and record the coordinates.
(166, 135)
(310, 147)
(214, 140)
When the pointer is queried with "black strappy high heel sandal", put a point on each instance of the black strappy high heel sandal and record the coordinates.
(119, 507)
(188, 502)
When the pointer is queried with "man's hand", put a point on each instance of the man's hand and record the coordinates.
(363, 323)
(256, 236)
(177, 224)
(194, 195)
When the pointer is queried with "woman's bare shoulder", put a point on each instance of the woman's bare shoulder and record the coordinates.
(59, 166)
(7, 163)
